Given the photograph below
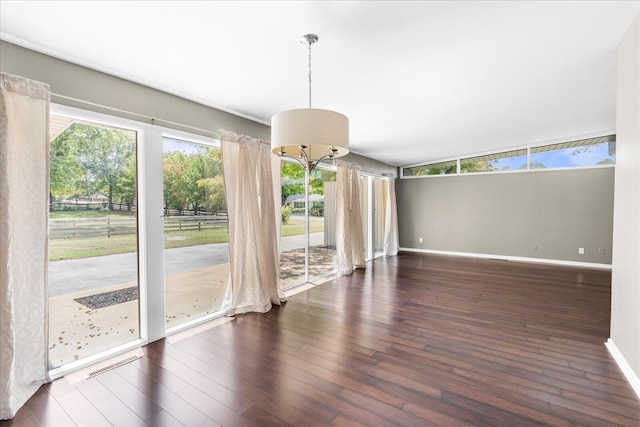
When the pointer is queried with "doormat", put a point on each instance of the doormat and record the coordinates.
(107, 299)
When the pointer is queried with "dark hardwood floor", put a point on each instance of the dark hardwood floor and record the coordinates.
(413, 340)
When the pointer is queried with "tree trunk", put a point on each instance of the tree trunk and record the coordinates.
(110, 197)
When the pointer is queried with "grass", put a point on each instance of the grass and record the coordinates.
(90, 214)
(296, 226)
(61, 249)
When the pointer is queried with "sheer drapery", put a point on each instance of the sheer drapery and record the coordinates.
(254, 266)
(391, 219)
(24, 210)
(349, 239)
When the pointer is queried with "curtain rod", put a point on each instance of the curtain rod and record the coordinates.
(149, 119)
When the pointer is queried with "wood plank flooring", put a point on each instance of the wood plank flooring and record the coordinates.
(415, 340)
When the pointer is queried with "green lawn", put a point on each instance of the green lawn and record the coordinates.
(90, 214)
(61, 249)
(296, 226)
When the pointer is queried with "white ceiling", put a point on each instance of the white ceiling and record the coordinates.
(419, 81)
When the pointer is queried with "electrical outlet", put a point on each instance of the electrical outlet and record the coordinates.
(581, 251)
(600, 251)
(534, 248)
(420, 239)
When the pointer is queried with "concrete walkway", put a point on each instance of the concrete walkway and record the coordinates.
(71, 276)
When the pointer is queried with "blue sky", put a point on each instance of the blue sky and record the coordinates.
(170, 144)
(560, 158)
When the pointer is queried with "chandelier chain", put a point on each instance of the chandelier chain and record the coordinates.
(310, 74)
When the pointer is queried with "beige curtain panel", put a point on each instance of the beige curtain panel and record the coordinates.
(391, 242)
(349, 237)
(24, 210)
(254, 264)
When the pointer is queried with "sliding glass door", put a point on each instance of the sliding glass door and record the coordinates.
(292, 238)
(323, 259)
(196, 256)
(367, 214)
(322, 254)
(380, 188)
(93, 250)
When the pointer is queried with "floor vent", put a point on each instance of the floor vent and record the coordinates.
(111, 366)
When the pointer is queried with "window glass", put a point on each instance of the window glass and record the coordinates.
(93, 246)
(580, 153)
(499, 162)
(442, 168)
(292, 239)
(381, 188)
(323, 258)
(584, 152)
(365, 209)
(195, 231)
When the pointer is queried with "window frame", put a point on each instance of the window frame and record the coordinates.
(528, 168)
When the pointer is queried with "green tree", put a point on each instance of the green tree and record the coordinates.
(193, 181)
(173, 166)
(445, 168)
(535, 165)
(92, 159)
(193, 173)
(215, 200)
(104, 154)
(477, 166)
(126, 187)
(214, 193)
(292, 177)
(65, 169)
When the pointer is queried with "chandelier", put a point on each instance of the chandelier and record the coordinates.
(310, 135)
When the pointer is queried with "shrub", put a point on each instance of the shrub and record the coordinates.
(317, 209)
(286, 214)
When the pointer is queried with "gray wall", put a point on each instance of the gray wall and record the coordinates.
(82, 83)
(545, 214)
(625, 282)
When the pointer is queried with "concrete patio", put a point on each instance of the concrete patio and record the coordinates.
(77, 331)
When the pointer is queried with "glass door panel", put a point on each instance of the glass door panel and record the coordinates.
(195, 231)
(380, 201)
(322, 237)
(365, 210)
(292, 238)
(93, 247)
(322, 254)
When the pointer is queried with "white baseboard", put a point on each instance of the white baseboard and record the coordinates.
(631, 376)
(513, 258)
